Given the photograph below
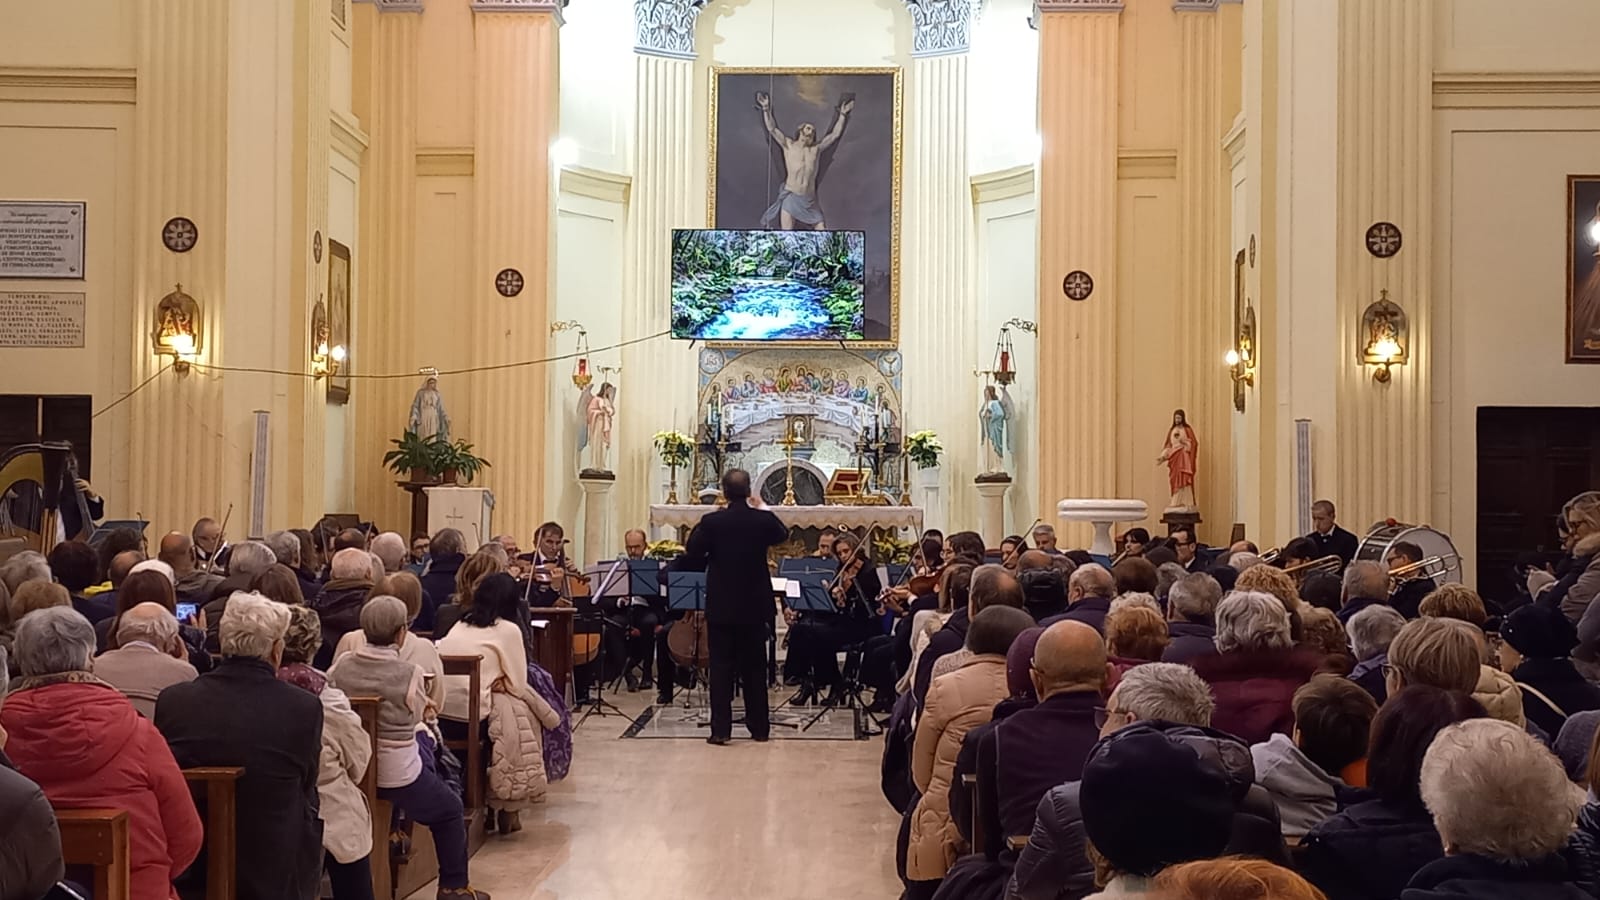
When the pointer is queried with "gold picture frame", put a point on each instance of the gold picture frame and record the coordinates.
(896, 74)
(1583, 269)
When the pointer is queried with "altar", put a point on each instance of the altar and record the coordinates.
(854, 518)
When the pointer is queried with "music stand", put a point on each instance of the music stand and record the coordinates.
(625, 579)
(686, 593)
(610, 586)
(810, 593)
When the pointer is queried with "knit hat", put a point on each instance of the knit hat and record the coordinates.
(1019, 664)
(1149, 801)
(1539, 632)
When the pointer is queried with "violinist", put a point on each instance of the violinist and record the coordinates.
(816, 641)
(922, 593)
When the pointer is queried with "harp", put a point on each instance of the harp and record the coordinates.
(39, 497)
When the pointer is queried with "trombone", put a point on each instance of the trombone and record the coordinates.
(1271, 556)
(1434, 567)
(1330, 564)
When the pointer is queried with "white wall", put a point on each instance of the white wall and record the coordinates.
(597, 83)
(1003, 77)
(339, 486)
(1525, 36)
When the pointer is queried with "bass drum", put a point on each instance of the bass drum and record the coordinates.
(1383, 536)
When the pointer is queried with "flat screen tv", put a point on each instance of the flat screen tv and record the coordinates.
(768, 285)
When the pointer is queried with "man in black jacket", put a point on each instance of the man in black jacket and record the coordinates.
(732, 545)
(1331, 540)
(240, 714)
(448, 549)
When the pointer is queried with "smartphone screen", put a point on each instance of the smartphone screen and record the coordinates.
(186, 612)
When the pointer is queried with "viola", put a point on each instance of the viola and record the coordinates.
(845, 581)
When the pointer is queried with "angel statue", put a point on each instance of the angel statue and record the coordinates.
(995, 416)
(1180, 454)
(598, 409)
(428, 418)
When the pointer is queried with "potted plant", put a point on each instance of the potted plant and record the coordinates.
(457, 464)
(924, 449)
(676, 450)
(664, 550)
(414, 457)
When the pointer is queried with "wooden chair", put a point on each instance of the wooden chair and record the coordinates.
(98, 838)
(969, 784)
(219, 786)
(382, 813)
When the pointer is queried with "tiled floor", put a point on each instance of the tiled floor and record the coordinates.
(671, 819)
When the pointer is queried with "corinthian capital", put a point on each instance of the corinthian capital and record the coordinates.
(942, 26)
(666, 27)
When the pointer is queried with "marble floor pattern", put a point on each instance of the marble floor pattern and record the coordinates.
(679, 819)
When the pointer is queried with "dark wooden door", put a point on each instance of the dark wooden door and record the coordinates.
(30, 418)
(1531, 460)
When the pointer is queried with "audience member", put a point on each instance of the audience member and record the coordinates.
(991, 586)
(240, 714)
(1227, 577)
(390, 548)
(1243, 561)
(447, 551)
(1234, 878)
(1135, 575)
(470, 574)
(193, 585)
(118, 568)
(30, 845)
(956, 704)
(1268, 580)
(1322, 633)
(408, 589)
(1089, 593)
(1150, 801)
(24, 567)
(31, 596)
(1373, 848)
(1257, 668)
(1440, 652)
(346, 753)
(1044, 590)
(1585, 843)
(1504, 810)
(1135, 635)
(1534, 645)
(1455, 601)
(245, 561)
(1310, 774)
(1371, 632)
(1167, 575)
(488, 629)
(1366, 583)
(1323, 590)
(1187, 547)
(339, 604)
(955, 591)
(1190, 609)
(86, 746)
(75, 567)
(312, 562)
(148, 586)
(279, 584)
(149, 656)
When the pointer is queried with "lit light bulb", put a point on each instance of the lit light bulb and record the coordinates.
(181, 344)
(322, 349)
(564, 152)
(1594, 232)
(1386, 349)
(339, 353)
(1231, 358)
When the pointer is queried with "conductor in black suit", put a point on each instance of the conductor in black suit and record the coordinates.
(731, 544)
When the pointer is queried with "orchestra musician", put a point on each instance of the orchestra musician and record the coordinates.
(1331, 540)
(645, 617)
(816, 641)
(825, 544)
(1408, 594)
(1010, 549)
(668, 672)
(732, 544)
(552, 577)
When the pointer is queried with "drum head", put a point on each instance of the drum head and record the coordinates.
(1376, 545)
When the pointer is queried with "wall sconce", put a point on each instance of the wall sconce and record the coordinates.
(1241, 357)
(1385, 337)
(581, 376)
(178, 329)
(325, 360)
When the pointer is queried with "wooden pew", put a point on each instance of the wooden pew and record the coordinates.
(476, 764)
(219, 786)
(382, 812)
(98, 838)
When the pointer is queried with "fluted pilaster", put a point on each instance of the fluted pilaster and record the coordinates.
(1078, 83)
(299, 439)
(1205, 314)
(938, 305)
(387, 323)
(656, 391)
(180, 168)
(515, 125)
(1385, 174)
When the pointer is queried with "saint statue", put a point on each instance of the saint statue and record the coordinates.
(995, 417)
(428, 418)
(598, 409)
(1180, 453)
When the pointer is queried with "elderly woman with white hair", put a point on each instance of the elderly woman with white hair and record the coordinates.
(240, 714)
(1256, 669)
(339, 604)
(1371, 632)
(1504, 811)
(87, 747)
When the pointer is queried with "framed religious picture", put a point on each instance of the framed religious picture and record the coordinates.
(814, 150)
(1583, 268)
(1238, 324)
(339, 321)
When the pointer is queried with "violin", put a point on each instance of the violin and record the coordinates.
(845, 581)
(926, 582)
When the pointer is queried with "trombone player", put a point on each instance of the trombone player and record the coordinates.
(1403, 560)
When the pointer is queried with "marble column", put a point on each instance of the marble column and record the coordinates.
(1078, 85)
(597, 507)
(388, 243)
(668, 192)
(515, 122)
(1385, 146)
(992, 510)
(1205, 316)
(938, 296)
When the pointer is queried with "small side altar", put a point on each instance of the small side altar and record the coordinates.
(686, 515)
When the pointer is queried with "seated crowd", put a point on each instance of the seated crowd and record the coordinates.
(1193, 725)
(124, 672)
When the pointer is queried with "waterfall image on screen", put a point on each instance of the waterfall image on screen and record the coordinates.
(768, 285)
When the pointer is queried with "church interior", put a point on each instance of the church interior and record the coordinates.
(1224, 281)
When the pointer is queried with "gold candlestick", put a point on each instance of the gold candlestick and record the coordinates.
(788, 474)
(905, 474)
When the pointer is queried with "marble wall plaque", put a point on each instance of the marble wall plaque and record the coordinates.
(41, 239)
(35, 319)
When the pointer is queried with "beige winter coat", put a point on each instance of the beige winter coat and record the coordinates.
(346, 753)
(957, 703)
(517, 719)
(1500, 696)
